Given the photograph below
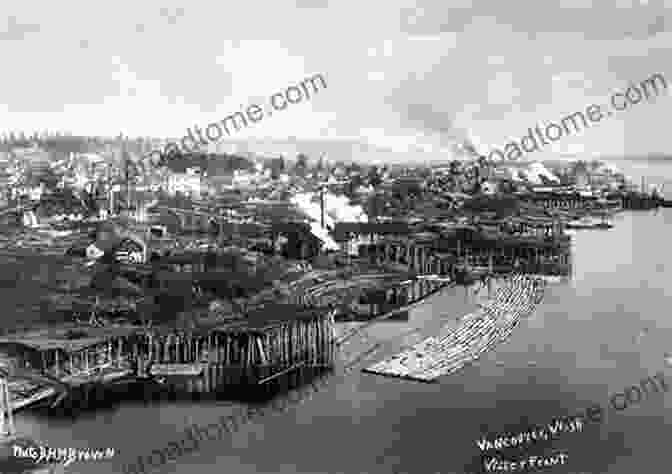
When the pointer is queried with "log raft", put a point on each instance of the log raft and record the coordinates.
(478, 333)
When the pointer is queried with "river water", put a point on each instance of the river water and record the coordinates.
(604, 330)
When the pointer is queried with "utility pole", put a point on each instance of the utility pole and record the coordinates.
(110, 191)
(128, 186)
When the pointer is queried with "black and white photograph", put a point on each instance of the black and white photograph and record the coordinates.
(335, 237)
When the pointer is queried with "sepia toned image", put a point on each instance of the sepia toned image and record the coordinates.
(321, 237)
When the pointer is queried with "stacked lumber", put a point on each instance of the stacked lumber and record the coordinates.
(178, 369)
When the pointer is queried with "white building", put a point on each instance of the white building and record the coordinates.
(189, 182)
(489, 187)
(35, 193)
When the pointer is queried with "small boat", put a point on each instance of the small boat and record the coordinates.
(588, 223)
(29, 390)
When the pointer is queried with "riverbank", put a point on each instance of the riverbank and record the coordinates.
(591, 337)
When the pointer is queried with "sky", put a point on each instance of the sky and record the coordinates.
(410, 77)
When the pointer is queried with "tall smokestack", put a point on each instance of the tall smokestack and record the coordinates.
(322, 205)
(110, 192)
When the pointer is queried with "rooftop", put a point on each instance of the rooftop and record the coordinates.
(57, 338)
(257, 320)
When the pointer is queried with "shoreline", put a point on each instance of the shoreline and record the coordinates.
(390, 314)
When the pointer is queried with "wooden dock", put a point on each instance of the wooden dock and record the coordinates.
(477, 333)
(364, 297)
(272, 343)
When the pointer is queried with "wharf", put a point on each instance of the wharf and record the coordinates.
(641, 201)
(367, 296)
(270, 342)
(468, 247)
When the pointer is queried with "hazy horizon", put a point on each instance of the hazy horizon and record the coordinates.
(406, 80)
(349, 150)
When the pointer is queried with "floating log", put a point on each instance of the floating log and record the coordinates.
(478, 332)
(283, 372)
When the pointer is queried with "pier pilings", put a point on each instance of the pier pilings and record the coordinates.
(252, 356)
(550, 254)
